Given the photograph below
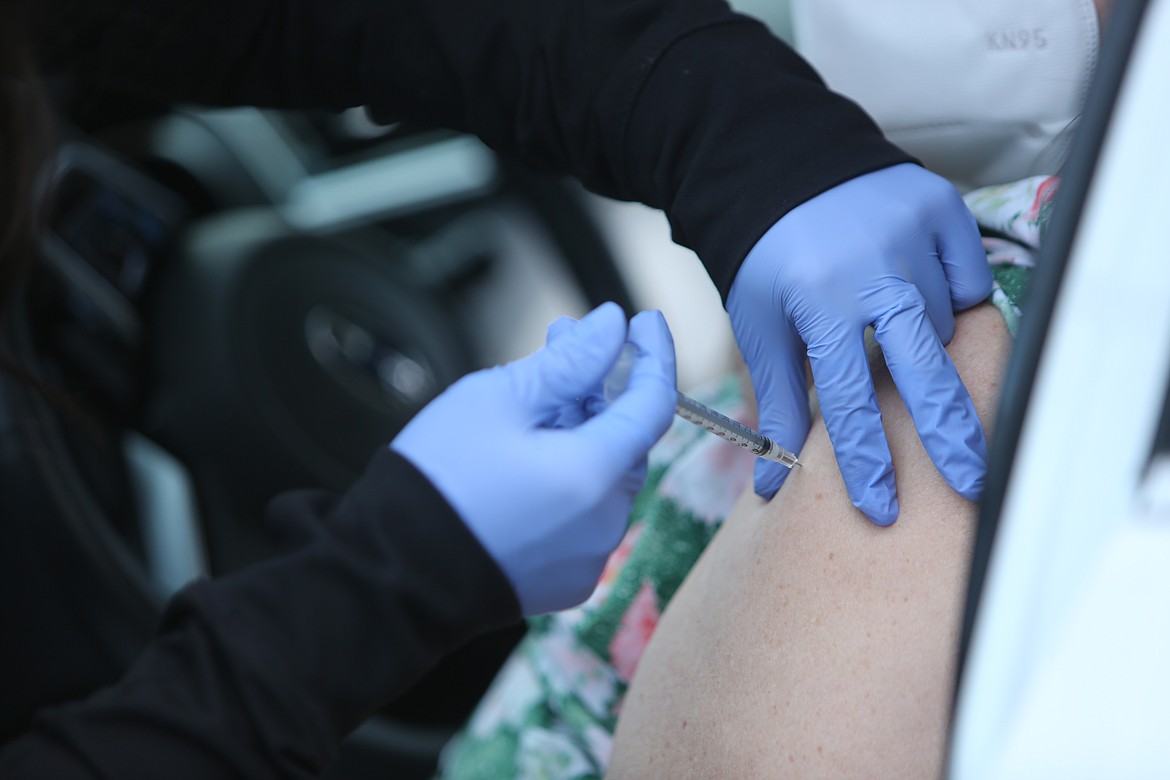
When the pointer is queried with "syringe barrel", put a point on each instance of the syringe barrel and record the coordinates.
(700, 414)
(730, 430)
(721, 425)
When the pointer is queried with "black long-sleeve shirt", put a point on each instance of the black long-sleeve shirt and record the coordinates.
(260, 674)
(680, 104)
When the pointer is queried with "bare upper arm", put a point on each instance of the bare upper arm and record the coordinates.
(807, 642)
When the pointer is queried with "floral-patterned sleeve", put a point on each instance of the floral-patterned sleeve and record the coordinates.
(1013, 218)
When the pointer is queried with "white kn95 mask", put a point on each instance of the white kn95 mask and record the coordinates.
(981, 91)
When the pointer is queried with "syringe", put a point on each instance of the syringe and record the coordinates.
(701, 415)
(735, 432)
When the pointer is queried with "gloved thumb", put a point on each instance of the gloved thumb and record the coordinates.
(775, 357)
(782, 398)
(637, 417)
(572, 365)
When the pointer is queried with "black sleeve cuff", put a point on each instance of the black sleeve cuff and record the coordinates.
(732, 130)
(260, 674)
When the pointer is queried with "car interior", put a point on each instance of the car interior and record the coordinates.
(237, 302)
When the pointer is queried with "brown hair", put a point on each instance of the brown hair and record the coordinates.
(26, 143)
(24, 150)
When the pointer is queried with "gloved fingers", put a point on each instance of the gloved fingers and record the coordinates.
(644, 325)
(572, 365)
(849, 406)
(649, 332)
(964, 260)
(625, 430)
(776, 365)
(936, 398)
(928, 287)
(635, 477)
(570, 415)
(613, 520)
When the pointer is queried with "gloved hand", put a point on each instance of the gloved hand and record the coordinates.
(896, 249)
(540, 469)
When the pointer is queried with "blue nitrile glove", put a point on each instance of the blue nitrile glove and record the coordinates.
(541, 470)
(896, 249)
